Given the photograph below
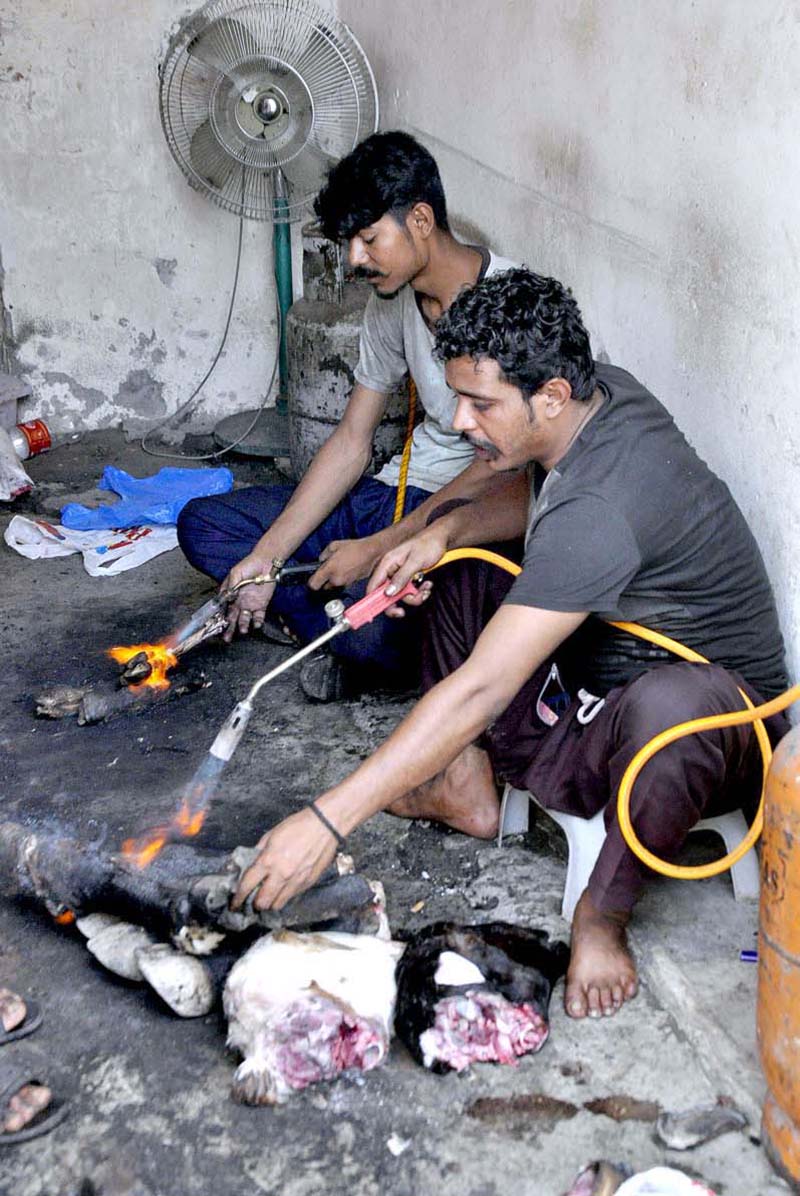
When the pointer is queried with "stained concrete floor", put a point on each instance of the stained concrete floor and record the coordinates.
(150, 1111)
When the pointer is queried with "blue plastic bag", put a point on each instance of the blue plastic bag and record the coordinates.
(158, 499)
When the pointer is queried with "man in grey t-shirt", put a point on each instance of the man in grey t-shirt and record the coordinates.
(386, 200)
(624, 522)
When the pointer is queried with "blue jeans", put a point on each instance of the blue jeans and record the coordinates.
(216, 533)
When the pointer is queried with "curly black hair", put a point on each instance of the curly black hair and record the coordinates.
(530, 325)
(386, 173)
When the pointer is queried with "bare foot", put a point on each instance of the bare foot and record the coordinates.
(31, 1098)
(12, 1009)
(23, 1106)
(463, 796)
(601, 975)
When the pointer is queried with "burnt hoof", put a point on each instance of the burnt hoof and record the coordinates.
(252, 1087)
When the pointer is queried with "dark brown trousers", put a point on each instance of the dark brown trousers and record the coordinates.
(576, 766)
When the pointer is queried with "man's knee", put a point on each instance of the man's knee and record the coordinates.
(209, 537)
(190, 521)
(672, 694)
(690, 775)
(195, 522)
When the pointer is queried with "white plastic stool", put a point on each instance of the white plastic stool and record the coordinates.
(585, 837)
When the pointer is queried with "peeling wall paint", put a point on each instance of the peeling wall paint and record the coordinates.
(165, 269)
(118, 274)
(647, 155)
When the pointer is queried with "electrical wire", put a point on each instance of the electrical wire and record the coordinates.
(175, 456)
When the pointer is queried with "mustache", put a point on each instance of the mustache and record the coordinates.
(363, 273)
(486, 445)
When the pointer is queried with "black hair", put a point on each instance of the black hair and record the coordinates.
(530, 325)
(386, 173)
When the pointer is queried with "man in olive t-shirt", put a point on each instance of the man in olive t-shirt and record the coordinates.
(525, 682)
(632, 525)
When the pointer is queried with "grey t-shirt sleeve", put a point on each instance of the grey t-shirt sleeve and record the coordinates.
(381, 359)
(581, 555)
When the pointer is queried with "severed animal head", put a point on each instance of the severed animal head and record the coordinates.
(305, 1007)
(492, 1005)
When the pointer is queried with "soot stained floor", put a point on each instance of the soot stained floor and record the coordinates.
(150, 1112)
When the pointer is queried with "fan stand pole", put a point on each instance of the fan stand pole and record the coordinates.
(282, 247)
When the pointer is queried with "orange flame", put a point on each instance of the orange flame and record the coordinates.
(159, 657)
(65, 918)
(142, 851)
(184, 823)
(189, 822)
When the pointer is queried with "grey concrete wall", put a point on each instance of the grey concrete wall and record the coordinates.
(117, 276)
(646, 154)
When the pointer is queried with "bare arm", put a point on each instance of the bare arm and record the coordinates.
(333, 472)
(348, 560)
(450, 716)
(500, 514)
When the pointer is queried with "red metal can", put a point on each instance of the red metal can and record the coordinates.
(31, 438)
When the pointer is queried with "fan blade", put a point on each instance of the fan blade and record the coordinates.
(190, 92)
(248, 120)
(306, 173)
(257, 195)
(209, 160)
(224, 44)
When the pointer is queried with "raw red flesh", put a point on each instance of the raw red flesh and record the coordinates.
(317, 1039)
(482, 1027)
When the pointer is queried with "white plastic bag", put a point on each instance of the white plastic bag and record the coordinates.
(106, 552)
(13, 478)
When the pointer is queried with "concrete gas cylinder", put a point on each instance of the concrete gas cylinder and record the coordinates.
(779, 960)
(322, 348)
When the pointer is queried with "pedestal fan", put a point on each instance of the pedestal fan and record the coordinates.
(258, 99)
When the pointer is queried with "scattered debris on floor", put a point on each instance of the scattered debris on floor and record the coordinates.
(105, 553)
(692, 1127)
(518, 1113)
(522, 1113)
(14, 480)
(158, 499)
(624, 1108)
(599, 1179)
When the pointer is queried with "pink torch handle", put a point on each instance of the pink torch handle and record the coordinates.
(374, 604)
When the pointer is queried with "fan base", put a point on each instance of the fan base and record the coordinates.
(269, 437)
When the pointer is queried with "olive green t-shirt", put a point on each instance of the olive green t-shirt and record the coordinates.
(632, 525)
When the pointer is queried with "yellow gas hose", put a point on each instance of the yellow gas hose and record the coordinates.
(405, 460)
(752, 714)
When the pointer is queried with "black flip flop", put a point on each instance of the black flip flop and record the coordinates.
(33, 1020)
(277, 631)
(15, 1073)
